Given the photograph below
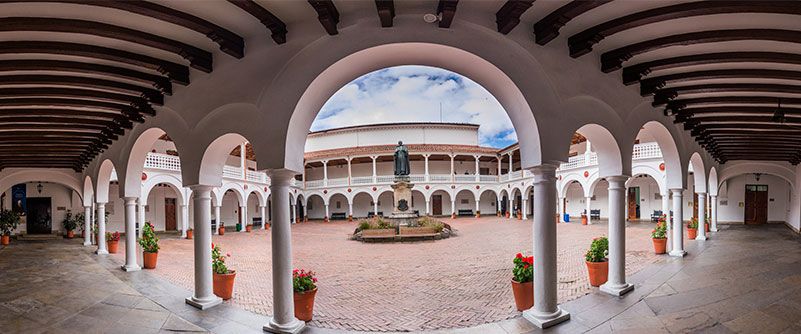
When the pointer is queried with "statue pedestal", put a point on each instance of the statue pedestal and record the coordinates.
(402, 213)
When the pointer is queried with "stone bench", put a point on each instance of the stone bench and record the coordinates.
(384, 233)
(465, 212)
(417, 232)
(339, 216)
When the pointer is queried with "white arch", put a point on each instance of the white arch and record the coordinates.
(215, 156)
(136, 162)
(570, 178)
(168, 179)
(104, 180)
(699, 173)
(88, 191)
(219, 193)
(674, 173)
(610, 159)
(713, 182)
(655, 174)
(260, 195)
(734, 168)
(46, 175)
(356, 193)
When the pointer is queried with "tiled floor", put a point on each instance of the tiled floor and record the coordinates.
(465, 280)
(743, 280)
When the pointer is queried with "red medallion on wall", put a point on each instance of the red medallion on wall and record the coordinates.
(144, 176)
(586, 174)
(427, 187)
(560, 177)
(453, 187)
(349, 190)
(246, 187)
(662, 166)
(374, 188)
(325, 191)
(265, 188)
(478, 187)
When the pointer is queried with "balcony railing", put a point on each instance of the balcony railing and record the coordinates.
(646, 151)
(641, 151)
(173, 163)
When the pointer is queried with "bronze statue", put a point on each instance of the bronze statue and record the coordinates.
(401, 160)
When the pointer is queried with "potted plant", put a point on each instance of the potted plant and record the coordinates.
(659, 237)
(70, 225)
(80, 219)
(248, 228)
(221, 230)
(8, 223)
(522, 281)
(222, 277)
(583, 219)
(113, 242)
(597, 264)
(305, 288)
(189, 233)
(150, 246)
(692, 228)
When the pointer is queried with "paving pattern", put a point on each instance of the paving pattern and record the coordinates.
(459, 282)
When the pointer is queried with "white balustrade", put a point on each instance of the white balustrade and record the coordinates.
(163, 161)
(338, 182)
(314, 183)
(440, 177)
(489, 178)
(361, 180)
(465, 178)
(385, 178)
(516, 175)
(417, 178)
(232, 172)
(646, 151)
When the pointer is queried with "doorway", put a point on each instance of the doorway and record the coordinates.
(436, 205)
(633, 202)
(169, 214)
(695, 206)
(756, 204)
(39, 216)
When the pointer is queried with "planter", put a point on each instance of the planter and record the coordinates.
(224, 285)
(113, 246)
(507, 214)
(599, 272)
(660, 245)
(83, 234)
(5, 240)
(478, 214)
(221, 230)
(519, 216)
(190, 234)
(304, 304)
(692, 233)
(706, 227)
(70, 234)
(583, 219)
(248, 228)
(150, 259)
(453, 216)
(524, 295)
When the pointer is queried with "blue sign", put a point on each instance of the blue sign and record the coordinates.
(19, 198)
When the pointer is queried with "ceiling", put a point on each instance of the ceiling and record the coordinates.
(75, 75)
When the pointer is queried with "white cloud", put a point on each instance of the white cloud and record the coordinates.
(414, 94)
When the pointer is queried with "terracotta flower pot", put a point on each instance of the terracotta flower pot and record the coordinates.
(706, 227)
(583, 219)
(660, 245)
(150, 259)
(221, 230)
(478, 214)
(519, 216)
(524, 295)
(304, 304)
(189, 234)
(692, 233)
(224, 285)
(248, 228)
(507, 214)
(113, 246)
(5, 240)
(70, 234)
(599, 272)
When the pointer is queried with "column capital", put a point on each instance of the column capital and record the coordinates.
(713, 196)
(282, 177)
(701, 192)
(130, 200)
(617, 181)
(100, 204)
(200, 188)
(544, 173)
(676, 190)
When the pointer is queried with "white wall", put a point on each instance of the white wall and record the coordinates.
(390, 135)
(778, 198)
(60, 197)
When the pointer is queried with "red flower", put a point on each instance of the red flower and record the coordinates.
(314, 280)
(529, 260)
(519, 256)
(525, 266)
(212, 245)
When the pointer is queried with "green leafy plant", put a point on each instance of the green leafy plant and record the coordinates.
(374, 223)
(8, 221)
(113, 236)
(663, 218)
(693, 223)
(660, 231)
(303, 280)
(69, 223)
(218, 265)
(428, 221)
(599, 249)
(149, 241)
(524, 268)
(80, 219)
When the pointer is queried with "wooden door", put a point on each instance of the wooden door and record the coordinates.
(436, 205)
(38, 214)
(632, 203)
(169, 214)
(756, 204)
(695, 207)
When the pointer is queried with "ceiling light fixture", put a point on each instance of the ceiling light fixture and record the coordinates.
(778, 116)
(430, 18)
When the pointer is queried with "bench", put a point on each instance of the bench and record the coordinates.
(656, 215)
(339, 216)
(418, 232)
(595, 214)
(374, 234)
(372, 214)
(465, 212)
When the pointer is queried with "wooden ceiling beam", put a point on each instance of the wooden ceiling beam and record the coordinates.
(277, 27)
(198, 58)
(508, 16)
(386, 12)
(650, 85)
(632, 74)
(665, 95)
(75, 106)
(446, 9)
(327, 14)
(678, 104)
(613, 60)
(139, 103)
(149, 94)
(546, 29)
(582, 42)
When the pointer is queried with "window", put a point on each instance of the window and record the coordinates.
(339, 204)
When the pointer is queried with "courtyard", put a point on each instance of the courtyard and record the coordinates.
(463, 281)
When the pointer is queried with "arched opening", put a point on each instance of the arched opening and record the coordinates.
(488, 203)
(465, 203)
(338, 206)
(315, 207)
(165, 201)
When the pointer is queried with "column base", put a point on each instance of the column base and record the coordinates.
(131, 268)
(204, 304)
(544, 321)
(617, 290)
(701, 237)
(294, 327)
(677, 253)
(101, 252)
(713, 229)
(87, 243)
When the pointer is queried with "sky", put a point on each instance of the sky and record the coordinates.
(414, 94)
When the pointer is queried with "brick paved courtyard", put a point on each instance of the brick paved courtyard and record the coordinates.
(463, 281)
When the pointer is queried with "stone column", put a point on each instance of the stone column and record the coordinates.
(589, 208)
(499, 172)
(326, 213)
(453, 207)
(350, 174)
(713, 212)
(375, 208)
(678, 224)
(375, 177)
(293, 213)
(130, 235)
(262, 210)
(626, 205)
(666, 204)
(511, 163)
(427, 177)
(616, 284)
(87, 223)
(524, 207)
(141, 207)
(478, 207)
(478, 171)
(428, 206)
(218, 218)
(701, 217)
(243, 214)
(561, 209)
(101, 229)
(511, 208)
(545, 312)
(184, 219)
(325, 172)
(350, 211)
(203, 296)
(498, 205)
(283, 320)
(242, 154)
(453, 173)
